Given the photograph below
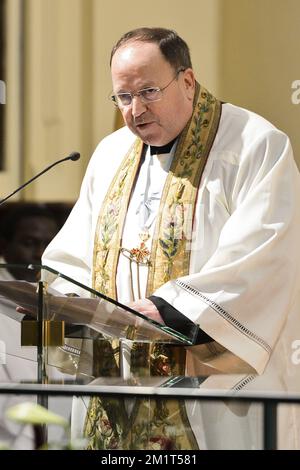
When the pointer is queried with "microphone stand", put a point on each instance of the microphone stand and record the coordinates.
(73, 156)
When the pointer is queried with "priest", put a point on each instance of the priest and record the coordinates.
(190, 214)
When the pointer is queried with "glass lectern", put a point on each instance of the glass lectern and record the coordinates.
(70, 331)
(84, 344)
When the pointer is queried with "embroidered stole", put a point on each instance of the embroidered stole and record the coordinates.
(107, 424)
(170, 251)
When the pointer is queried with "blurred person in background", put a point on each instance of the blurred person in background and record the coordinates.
(25, 232)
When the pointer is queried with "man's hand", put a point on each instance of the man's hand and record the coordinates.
(147, 308)
(24, 311)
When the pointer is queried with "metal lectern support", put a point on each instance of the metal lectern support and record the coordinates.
(42, 377)
(270, 425)
(41, 349)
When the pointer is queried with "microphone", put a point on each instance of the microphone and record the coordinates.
(74, 156)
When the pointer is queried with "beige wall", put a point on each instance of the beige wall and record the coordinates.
(11, 175)
(57, 94)
(245, 51)
(260, 44)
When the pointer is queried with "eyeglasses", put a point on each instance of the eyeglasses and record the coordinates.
(147, 95)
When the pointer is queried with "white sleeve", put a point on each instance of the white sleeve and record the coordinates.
(71, 251)
(242, 295)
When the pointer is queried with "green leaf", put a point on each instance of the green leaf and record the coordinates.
(3, 446)
(163, 244)
(32, 413)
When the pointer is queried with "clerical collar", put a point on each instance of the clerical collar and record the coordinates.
(162, 149)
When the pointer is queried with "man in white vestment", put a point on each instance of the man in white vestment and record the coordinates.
(190, 214)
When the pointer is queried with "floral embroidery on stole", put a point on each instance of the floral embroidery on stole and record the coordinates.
(170, 251)
(153, 424)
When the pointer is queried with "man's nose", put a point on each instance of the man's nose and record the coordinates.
(137, 106)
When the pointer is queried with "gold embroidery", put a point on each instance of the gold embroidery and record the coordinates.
(153, 424)
(111, 220)
(170, 251)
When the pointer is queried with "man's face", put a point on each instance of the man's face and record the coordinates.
(32, 236)
(138, 65)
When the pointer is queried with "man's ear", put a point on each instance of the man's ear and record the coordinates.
(189, 83)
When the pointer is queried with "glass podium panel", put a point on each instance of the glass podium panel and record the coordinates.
(127, 369)
(69, 331)
(93, 309)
